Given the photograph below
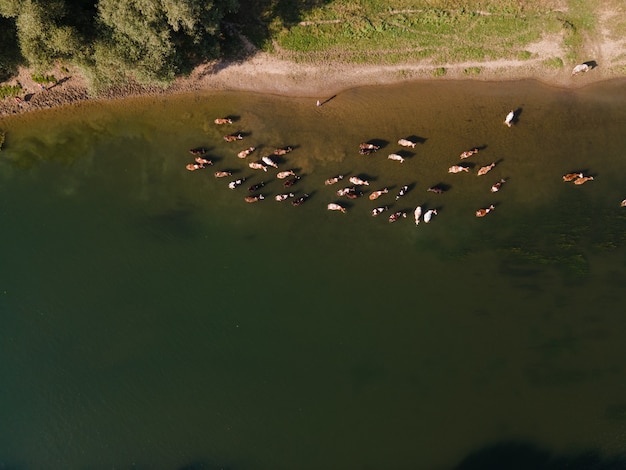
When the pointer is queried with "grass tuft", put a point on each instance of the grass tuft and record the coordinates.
(9, 91)
(43, 79)
(553, 62)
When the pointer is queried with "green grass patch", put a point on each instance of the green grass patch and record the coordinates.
(7, 91)
(582, 14)
(43, 79)
(524, 55)
(579, 21)
(553, 62)
(439, 72)
(440, 30)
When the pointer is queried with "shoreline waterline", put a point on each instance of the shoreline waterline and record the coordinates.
(266, 74)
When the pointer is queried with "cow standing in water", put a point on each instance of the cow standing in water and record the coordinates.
(246, 152)
(233, 137)
(281, 175)
(366, 148)
(417, 214)
(406, 143)
(496, 187)
(257, 166)
(299, 201)
(254, 198)
(236, 183)
(198, 151)
(282, 151)
(291, 182)
(396, 215)
(486, 169)
(203, 161)
(457, 169)
(468, 153)
(333, 180)
(283, 197)
(336, 207)
(194, 166)
(256, 187)
(571, 176)
(358, 181)
(436, 189)
(583, 179)
(377, 194)
(429, 215)
(508, 120)
(402, 192)
(379, 210)
(268, 161)
(484, 212)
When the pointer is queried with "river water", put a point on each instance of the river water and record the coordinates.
(151, 319)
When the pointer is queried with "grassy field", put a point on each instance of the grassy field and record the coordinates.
(439, 31)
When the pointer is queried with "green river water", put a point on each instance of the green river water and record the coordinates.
(151, 319)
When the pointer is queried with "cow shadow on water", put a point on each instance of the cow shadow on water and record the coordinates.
(406, 154)
(381, 143)
(417, 139)
(517, 113)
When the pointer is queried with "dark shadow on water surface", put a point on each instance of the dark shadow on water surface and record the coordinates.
(514, 455)
(382, 143)
(175, 223)
(439, 188)
(405, 153)
(418, 139)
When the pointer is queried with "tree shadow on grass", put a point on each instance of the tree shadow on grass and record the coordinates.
(254, 21)
(10, 55)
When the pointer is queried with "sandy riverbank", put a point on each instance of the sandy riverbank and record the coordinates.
(267, 73)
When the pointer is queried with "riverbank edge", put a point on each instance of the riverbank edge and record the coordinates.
(265, 73)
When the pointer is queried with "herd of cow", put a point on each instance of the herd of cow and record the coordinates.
(357, 187)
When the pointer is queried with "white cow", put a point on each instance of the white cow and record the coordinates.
(406, 143)
(508, 120)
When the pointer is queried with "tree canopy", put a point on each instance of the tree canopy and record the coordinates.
(150, 41)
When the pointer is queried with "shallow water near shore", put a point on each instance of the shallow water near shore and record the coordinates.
(152, 319)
